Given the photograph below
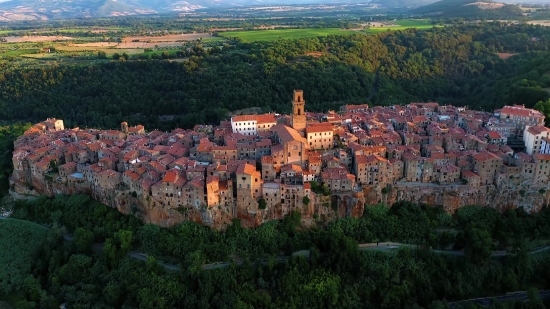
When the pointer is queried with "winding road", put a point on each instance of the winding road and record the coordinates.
(486, 301)
(384, 246)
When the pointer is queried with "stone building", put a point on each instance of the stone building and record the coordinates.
(487, 165)
(320, 136)
(298, 118)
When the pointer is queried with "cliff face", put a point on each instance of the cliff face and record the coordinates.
(503, 197)
(218, 217)
(508, 194)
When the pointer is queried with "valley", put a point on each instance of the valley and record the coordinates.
(213, 154)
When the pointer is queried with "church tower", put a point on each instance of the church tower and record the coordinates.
(124, 127)
(298, 119)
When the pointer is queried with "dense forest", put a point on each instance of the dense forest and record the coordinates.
(93, 270)
(457, 65)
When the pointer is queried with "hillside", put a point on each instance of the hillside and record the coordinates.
(13, 10)
(469, 9)
(402, 3)
(19, 245)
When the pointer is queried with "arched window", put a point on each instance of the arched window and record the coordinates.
(299, 111)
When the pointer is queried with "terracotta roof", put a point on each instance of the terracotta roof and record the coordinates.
(132, 174)
(94, 146)
(136, 128)
(357, 106)
(158, 166)
(246, 169)
(521, 111)
(319, 128)
(267, 160)
(484, 156)
(540, 156)
(243, 118)
(469, 174)
(287, 134)
(108, 173)
(266, 118)
(291, 167)
(69, 165)
(536, 130)
(42, 163)
(494, 135)
(211, 179)
(197, 182)
(170, 176)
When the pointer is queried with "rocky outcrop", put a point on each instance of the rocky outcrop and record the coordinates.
(509, 194)
(452, 197)
(149, 210)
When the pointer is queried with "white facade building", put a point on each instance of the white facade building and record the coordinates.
(533, 138)
(246, 124)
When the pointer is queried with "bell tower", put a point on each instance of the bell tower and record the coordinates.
(298, 119)
(124, 127)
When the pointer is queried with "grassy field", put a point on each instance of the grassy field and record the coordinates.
(214, 39)
(107, 50)
(403, 24)
(17, 52)
(272, 35)
(19, 243)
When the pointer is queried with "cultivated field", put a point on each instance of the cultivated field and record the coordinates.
(401, 25)
(17, 52)
(36, 38)
(525, 9)
(108, 50)
(161, 41)
(539, 22)
(272, 35)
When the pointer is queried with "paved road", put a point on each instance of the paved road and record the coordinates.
(382, 246)
(385, 246)
(486, 301)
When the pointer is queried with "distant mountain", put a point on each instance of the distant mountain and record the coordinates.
(48, 9)
(469, 9)
(402, 3)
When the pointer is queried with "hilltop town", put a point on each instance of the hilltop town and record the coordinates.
(262, 167)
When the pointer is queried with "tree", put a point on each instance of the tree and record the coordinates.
(478, 246)
(101, 54)
(83, 240)
(544, 108)
(262, 204)
(306, 200)
(124, 240)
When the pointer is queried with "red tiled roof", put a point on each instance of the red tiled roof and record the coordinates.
(484, 156)
(170, 176)
(469, 174)
(520, 111)
(244, 118)
(246, 169)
